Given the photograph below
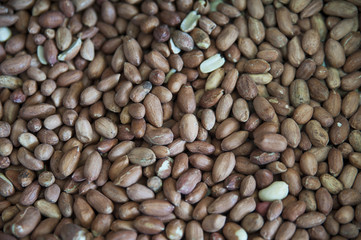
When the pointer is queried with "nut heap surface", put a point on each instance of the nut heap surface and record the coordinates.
(180, 119)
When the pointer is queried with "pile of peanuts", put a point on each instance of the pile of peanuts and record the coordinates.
(180, 119)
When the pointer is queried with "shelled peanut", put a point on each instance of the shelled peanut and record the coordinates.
(180, 119)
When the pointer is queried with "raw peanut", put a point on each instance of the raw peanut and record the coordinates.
(234, 231)
(214, 79)
(352, 62)
(246, 87)
(153, 110)
(333, 104)
(30, 194)
(294, 210)
(348, 176)
(63, 38)
(45, 226)
(335, 161)
(270, 228)
(193, 58)
(188, 180)
(263, 79)
(276, 37)
(148, 225)
(341, 29)
(99, 202)
(257, 66)
(141, 156)
(69, 162)
(194, 230)
(200, 147)
(213, 222)
(263, 108)
(211, 97)
(156, 207)
(354, 120)
(260, 157)
(291, 131)
(139, 192)
(158, 136)
(240, 110)
(311, 42)
(25, 222)
(128, 176)
(303, 113)
(234, 140)
(324, 117)
(312, 8)
(223, 166)
(295, 52)
(224, 107)
(27, 159)
(7, 188)
(48, 209)
(256, 30)
(186, 99)
(69, 53)
(271, 142)
(335, 53)
(183, 40)
(318, 136)
(175, 229)
(132, 51)
(293, 179)
(349, 104)
(228, 10)
(350, 42)
(308, 164)
(67, 78)
(201, 38)
(10, 82)
(212, 63)
(277, 190)
(188, 127)
(83, 211)
(106, 128)
(342, 9)
(15, 65)
(286, 230)
(93, 166)
(114, 193)
(247, 186)
(339, 130)
(227, 37)
(306, 69)
(284, 21)
(256, 218)
(51, 19)
(255, 8)
(248, 48)
(349, 197)
(223, 203)
(156, 60)
(297, 6)
(242, 208)
(310, 219)
(332, 184)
